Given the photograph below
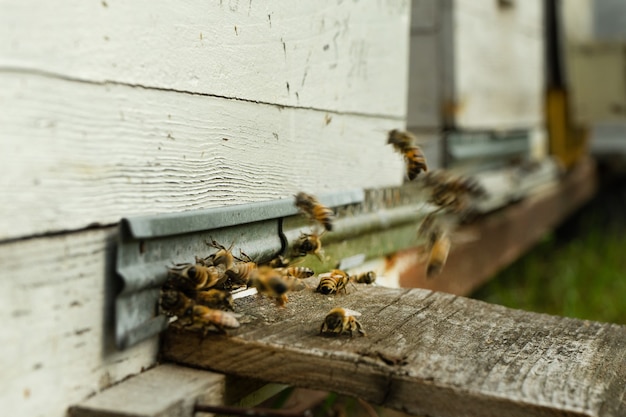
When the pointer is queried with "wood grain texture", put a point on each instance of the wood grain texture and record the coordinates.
(425, 353)
(329, 54)
(57, 341)
(498, 65)
(75, 154)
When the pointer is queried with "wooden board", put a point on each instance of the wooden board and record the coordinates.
(173, 391)
(76, 154)
(424, 353)
(329, 55)
(498, 73)
(57, 341)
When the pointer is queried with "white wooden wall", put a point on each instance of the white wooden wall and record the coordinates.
(499, 65)
(112, 109)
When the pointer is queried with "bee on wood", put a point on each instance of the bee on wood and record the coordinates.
(270, 282)
(205, 318)
(175, 303)
(242, 271)
(340, 320)
(364, 277)
(308, 243)
(217, 299)
(223, 257)
(311, 207)
(405, 144)
(333, 282)
(193, 277)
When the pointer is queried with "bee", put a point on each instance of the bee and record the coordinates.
(311, 207)
(453, 193)
(279, 262)
(439, 248)
(223, 257)
(241, 273)
(333, 282)
(297, 271)
(308, 243)
(194, 277)
(175, 303)
(404, 143)
(214, 298)
(270, 282)
(364, 278)
(340, 320)
(205, 317)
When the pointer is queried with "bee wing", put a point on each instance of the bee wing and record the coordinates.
(351, 313)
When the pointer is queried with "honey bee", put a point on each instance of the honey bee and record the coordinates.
(364, 278)
(308, 243)
(223, 257)
(214, 298)
(333, 282)
(205, 317)
(439, 248)
(405, 143)
(311, 207)
(194, 277)
(297, 271)
(279, 262)
(175, 303)
(340, 320)
(270, 282)
(453, 193)
(241, 273)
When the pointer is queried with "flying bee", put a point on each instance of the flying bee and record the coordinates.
(364, 277)
(311, 207)
(214, 298)
(332, 282)
(279, 262)
(223, 257)
(308, 243)
(453, 193)
(405, 144)
(175, 303)
(297, 271)
(194, 277)
(205, 317)
(340, 320)
(270, 282)
(440, 247)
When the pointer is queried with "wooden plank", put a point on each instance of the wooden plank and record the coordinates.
(500, 238)
(172, 391)
(424, 353)
(57, 309)
(316, 54)
(498, 63)
(75, 154)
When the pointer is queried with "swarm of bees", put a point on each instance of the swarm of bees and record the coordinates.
(199, 294)
(453, 195)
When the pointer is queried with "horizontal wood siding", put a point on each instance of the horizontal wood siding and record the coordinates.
(326, 54)
(75, 154)
(57, 342)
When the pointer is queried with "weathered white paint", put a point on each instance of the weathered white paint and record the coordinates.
(74, 154)
(53, 293)
(328, 54)
(498, 72)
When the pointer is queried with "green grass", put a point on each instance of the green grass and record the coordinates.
(582, 276)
